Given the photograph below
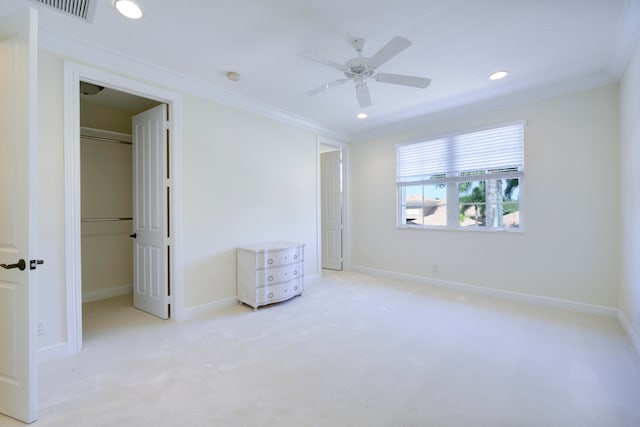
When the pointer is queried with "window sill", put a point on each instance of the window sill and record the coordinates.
(513, 230)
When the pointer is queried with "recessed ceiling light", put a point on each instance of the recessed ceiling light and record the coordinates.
(362, 116)
(498, 75)
(128, 8)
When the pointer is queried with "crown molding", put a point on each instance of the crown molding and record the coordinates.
(464, 106)
(116, 62)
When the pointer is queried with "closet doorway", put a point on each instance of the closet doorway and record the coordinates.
(124, 199)
(332, 160)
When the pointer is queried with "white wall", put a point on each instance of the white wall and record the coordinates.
(246, 179)
(630, 202)
(570, 248)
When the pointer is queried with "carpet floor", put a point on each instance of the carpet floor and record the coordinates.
(353, 350)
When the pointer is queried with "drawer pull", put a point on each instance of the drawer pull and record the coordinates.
(270, 261)
(270, 295)
(295, 256)
(270, 278)
(295, 272)
(295, 288)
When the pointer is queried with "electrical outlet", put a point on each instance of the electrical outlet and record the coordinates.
(42, 327)
(435, 268)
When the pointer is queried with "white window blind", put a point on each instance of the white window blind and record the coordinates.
(486, 150)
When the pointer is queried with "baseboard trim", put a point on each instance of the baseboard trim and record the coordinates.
(55, 351)
(550, 302)
(631, 333)
(106, 293)
(190, 313)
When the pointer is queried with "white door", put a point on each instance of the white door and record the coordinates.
(331, 199)
(18, 107)
(150, 212)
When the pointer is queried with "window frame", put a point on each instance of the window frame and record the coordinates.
(452, 191)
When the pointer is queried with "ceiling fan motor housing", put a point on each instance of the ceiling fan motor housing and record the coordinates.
(358, 67)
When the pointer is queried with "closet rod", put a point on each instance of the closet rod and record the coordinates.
(106, 219)
(97, 138)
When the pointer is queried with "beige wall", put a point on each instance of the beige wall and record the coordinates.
(51, 290)
(106, 118)
(106, 192)
(570, 248)
(246, 179)
(630, 202)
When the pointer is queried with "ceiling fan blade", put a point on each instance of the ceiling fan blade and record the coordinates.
(326, 86)
(323, 60)
(362, 93)
(388, 51)
(401, 79)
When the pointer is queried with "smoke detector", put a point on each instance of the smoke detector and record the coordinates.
(81, 9)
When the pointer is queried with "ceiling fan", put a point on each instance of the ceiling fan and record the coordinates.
(361, 68)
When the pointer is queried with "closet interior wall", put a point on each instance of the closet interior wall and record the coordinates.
(106, 193)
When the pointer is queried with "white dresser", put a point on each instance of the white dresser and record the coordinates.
(270, 272)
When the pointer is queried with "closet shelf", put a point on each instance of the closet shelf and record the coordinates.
(106, 219)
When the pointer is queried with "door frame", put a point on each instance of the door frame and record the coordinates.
(73, 74)
(344, 148)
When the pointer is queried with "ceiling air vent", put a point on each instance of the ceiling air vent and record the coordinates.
(82, 9)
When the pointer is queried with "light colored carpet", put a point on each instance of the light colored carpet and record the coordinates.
(353, 350)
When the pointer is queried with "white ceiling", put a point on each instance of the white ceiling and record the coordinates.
(547, 46)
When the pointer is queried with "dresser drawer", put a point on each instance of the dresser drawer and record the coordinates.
(271, 276)
(278, 258)
(283, 291)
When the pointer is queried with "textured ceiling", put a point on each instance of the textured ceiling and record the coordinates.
(546, 45)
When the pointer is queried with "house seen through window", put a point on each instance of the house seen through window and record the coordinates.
(470, 180)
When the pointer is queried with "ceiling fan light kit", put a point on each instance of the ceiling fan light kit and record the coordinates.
(361, 68)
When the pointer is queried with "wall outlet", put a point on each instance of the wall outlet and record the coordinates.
(42, 327)
(435, 268)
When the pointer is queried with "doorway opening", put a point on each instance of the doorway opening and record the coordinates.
(107, 200)
(332, 207)
(101, 201)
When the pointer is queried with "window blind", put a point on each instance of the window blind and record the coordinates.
(491, 149)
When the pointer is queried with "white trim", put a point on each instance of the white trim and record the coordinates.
(80, 50)
(106, 293)
(631, 333)
(73, 73)
(346, 174)
(549, 302)
(52, 352)
(209, 308)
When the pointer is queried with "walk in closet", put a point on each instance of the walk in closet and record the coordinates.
(106, 192)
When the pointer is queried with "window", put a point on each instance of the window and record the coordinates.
(467, 181)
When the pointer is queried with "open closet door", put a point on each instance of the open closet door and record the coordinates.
(150, 212)
(18, 77)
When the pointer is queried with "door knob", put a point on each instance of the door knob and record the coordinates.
(21, 265)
